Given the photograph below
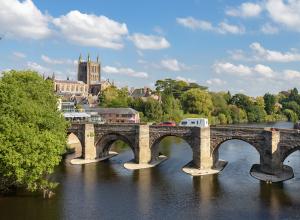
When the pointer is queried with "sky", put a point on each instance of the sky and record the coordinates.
(250, 47)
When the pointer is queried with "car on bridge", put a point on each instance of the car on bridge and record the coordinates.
(167, 123)
(194, 122)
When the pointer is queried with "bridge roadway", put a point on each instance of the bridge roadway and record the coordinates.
(273, 145)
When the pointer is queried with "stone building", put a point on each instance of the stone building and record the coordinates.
(89, 72)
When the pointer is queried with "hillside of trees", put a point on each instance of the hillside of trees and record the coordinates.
(179, 99)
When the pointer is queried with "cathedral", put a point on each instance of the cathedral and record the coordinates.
(88, 80)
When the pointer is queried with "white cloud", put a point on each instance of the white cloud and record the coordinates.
(19, 54)
(91, 30)
(285, 12)
(188, 80)
(264, 70)
(172, 65)
(225, 28)
(215, 81)
(22, 19)
(245, 10)
(37, 67)
(243, 70)
(124, 71)
(49, 60)
(230, 68)
(269, 29)
(194, 24)
(271, 55)
(291, 75)
(149, 42)
(222, 27)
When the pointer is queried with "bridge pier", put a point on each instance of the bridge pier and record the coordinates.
(203, 162)
(143, 151)
(271, 168)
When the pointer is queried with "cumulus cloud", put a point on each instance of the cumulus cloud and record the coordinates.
(124, 71)
(23, 19)
(91, 30)
(222, 27)
(263, 70)
(240, 70)
(172, 65)
(271, 55)
(291, 75)
(245, 10)
(285, 13)
(243, 70)
(194, 24)
(149, 42)
(215, 81)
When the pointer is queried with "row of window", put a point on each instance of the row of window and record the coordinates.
(71, 88)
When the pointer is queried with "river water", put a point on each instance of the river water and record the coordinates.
(106, 190)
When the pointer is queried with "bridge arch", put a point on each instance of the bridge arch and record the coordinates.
(215, 146)
(74, 142)
(106, 141)
(288, 152)
(154, 146)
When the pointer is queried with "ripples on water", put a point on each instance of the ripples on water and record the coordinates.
(106, 190)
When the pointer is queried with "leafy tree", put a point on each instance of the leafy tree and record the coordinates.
(291, 115)
(270, 101)
(153, 110)
(197, 101)
(114, 97)
(256, 113)
(241, 101)
(32, 131)
(237, 114)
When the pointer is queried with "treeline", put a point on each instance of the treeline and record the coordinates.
(179, 99)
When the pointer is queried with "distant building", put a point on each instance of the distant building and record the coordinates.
(117, 115)
(88, 79)
(143, 93)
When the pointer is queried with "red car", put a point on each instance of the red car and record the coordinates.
(167, 123)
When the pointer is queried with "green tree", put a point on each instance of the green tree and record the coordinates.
(270, 101)
(197, 101)
(291, 115)
(114, 97)
(153, 110)
(238, 115)
(32, 131)
(241, 101)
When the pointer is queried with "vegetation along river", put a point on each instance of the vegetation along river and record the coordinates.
(106, 190)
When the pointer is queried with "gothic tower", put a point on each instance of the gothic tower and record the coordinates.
(89, 72)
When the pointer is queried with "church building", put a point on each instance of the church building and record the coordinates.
(88, 79)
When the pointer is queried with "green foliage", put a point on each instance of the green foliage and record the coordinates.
(242, 101)
(291, 115)
(32, 131)
(114, 97)
(197, 101)
(256, 113)
(270, 101)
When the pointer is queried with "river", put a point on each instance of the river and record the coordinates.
(106, 190)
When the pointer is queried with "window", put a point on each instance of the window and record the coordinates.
(192, 122)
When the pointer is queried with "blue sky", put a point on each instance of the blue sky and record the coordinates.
(242, 46)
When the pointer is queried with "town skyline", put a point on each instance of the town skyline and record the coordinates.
(243, 46)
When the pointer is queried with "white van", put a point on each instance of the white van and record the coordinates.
(194, 122)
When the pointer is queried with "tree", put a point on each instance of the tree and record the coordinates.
(114, 97)
(153, 110)
(32, 131)
(270, 101)
(197, 101)
(241, 101)
(238, 115)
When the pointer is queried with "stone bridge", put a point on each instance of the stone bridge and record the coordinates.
(273, 145)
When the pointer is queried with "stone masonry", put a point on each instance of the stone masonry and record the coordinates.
(273, 145)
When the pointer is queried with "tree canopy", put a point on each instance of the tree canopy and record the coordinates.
(32, 131)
